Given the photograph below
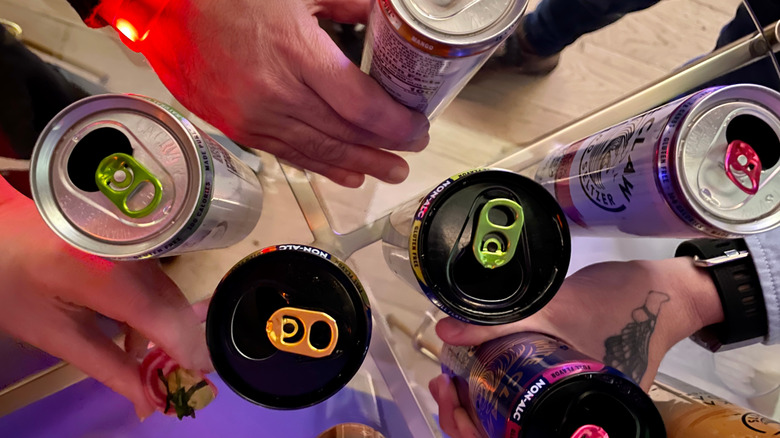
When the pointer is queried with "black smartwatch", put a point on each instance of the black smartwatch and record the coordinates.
(736, 279)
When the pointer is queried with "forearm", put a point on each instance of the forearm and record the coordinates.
(645, 306)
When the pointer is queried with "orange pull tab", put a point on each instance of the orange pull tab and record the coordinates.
(740, 157)
(289, 329)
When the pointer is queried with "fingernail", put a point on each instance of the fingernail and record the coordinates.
(353, 181)
(422, 131)
(420, 144)
(398, 174)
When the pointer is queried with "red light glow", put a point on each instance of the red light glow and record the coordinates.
(127, 29)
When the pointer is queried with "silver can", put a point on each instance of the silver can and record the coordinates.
(126, 177)
(423, 52)
(705, 164)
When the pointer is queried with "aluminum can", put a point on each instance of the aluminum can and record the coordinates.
(690, 412)
(530, 385)
(423, 52)
(350, 430)
(126, 177)
(705, 164)
(288, 326)
(486, 246)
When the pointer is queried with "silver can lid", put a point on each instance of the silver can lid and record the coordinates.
(116, 175)
(728, 159)
(462, 22)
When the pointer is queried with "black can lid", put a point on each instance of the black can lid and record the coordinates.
(288, 326)
(453, 275)
(605, 401)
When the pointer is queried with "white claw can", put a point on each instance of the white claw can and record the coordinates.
(126, 177)
(705, 164)
(423, 52)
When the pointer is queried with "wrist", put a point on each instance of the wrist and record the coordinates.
(697, 295)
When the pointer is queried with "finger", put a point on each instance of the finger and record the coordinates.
(455, 332)
(318, 146)
(284, 151)
(466, 427)
(136, 344)
(447, 405)
(359, 98)
(201, 309)
(75, 338)
(315, 112)
(142, 296)
(343, 11)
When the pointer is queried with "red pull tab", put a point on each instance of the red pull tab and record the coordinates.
(740, 157)
(590, 431)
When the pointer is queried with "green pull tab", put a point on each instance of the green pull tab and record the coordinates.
(119, 177)
(494, 245)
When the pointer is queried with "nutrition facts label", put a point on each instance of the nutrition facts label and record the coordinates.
(419, 80)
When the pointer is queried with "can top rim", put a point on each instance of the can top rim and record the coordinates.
(464, 29)
(46, 152)
(746, 220)
(454, 303)
(240, 372)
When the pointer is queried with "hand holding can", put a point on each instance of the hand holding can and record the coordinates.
(532, 385)
(624, 316)
(51, 294)
(265, 74)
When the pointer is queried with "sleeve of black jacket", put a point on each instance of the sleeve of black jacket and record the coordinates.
(87, 10)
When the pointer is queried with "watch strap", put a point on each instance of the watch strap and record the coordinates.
(739, 288)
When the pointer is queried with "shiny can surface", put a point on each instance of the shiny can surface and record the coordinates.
(288, 326)
(529, 385)
(675, 171)
(423, 52)
(126, 177)
(486, 246)
(690, 412)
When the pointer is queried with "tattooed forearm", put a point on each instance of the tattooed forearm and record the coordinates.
(629, 350)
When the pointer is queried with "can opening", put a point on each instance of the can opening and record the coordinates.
(501, 216)
(249, 323)
(615, 406)
(759, 135)
(320, 335)
(85, 158)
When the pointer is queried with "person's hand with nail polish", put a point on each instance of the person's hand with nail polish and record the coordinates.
(625, 314)
(50, 294)
(270, 78)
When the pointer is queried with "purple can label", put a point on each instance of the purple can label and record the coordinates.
(613, 178)
(500, 380)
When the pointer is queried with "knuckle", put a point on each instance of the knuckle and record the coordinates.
(327, 149)
(366, 114)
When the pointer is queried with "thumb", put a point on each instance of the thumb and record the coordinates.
(343, 11)
(455, 332)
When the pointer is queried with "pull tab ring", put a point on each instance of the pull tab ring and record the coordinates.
(740, 157)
